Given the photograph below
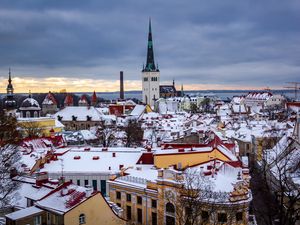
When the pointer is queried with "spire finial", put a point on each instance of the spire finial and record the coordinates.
(150, 25)
(29, 93)
(9, 75)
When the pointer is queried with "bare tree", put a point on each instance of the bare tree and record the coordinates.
(280, 172)
(9, 157)
(134, 133)
(196, 202)
(106, 134)
(31, 129)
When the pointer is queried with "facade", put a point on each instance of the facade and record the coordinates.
(79, 117)
(66, 204)
(69, 100)
(45, 126)
(150, 194)
(150, 75)
(49, 104)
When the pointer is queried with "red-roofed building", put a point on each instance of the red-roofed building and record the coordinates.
(69, 101)
(94, 99)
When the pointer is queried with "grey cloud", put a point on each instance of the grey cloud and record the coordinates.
(221, 42)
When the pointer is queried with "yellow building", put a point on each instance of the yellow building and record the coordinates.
(39, 126)
(152, 194)
(68, 205)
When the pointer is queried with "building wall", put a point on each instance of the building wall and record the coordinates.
(186, 159)
(49, 109)
(97, 212)
(80, 179)
(45, 124)
(79, 125)
(28, 220)
(159, 195)
(146, 205)
(150, 88)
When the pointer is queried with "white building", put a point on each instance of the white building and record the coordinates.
(150, 75)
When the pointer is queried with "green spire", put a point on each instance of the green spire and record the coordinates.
(150, 64)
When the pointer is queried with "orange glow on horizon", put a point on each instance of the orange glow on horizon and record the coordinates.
(55, 84)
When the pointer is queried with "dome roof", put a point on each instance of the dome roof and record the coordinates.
(30, 103)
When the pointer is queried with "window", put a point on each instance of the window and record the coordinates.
(188, 211)
(154, 218)
(82, 219)
(128, 212)
(35, 114)
(139, 200)
(94, 182)
(86, 182)
(103, 187)
(204, 215)
(128, 197)
(37, 220)
(145, 78)
(170, 220)
(118, 194)
(139, 215)
(170, 208)
(27, 114)
(78, 182)
(222, 217)
(154, 203)
(239, 216)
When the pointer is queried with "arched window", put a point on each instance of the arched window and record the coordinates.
(170, 208)
(27, 114)
(81, 219)
(170, 214)
(35, 114)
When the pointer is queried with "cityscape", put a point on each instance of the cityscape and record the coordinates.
(205, 131)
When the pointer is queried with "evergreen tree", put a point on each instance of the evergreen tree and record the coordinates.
(9, 157)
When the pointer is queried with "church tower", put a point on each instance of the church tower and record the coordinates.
(10, 103)
(150, 74)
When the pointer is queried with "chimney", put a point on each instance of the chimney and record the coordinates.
(88, 191)
(41, 178)
(121, 85)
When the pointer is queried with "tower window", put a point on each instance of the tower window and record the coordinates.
(145, 78)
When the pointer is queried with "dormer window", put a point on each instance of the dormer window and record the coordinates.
(59, 118)
(74, 118)
(88, 118)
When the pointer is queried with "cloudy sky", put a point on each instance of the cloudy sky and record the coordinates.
(82, 45)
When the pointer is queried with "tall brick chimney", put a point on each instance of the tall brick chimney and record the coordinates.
(121, 85)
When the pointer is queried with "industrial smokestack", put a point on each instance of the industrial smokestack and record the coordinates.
(121, 85)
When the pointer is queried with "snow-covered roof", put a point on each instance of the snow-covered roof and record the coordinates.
(64, 199)
(23, 213)
(94, 160)
(80, 113)
(138, 110)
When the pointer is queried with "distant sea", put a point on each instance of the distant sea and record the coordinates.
(222, 94)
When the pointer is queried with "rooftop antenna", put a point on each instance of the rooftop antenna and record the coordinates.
(62, 168)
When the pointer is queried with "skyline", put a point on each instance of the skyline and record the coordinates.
(202, 45)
